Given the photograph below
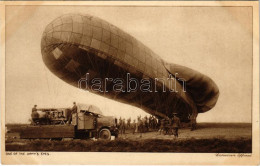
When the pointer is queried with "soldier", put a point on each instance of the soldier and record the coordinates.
(140, 125)
(123, 125)
(162, 125)
(150, 122)
(137, 123)
(146, 124)
(116, 122)
(35, 115)
(192, 122)
(176, 125)
(128, 123)
(134, 126)
(73, 110)
(120, 124)
(34, 108)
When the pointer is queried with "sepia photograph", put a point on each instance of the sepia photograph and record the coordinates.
(137, 79)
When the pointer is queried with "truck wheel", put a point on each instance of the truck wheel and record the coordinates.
(105, 134)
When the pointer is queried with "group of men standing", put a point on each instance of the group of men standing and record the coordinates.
(141, 125)
(168, 125)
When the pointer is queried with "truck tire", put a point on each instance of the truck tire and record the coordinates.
(105, 134)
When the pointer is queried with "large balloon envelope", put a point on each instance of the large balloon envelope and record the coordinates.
(76, 46)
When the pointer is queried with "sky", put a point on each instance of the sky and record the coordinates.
(216, 41)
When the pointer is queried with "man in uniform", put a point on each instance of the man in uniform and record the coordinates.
(35, 115)
(116, 122)
(123, 126)
(128, 123)
(34, 108)
(73, 110)
(134, 126)
(162, 125)
(176, 125)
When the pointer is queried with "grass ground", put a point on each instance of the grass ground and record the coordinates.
(208, 138)
(214, 145)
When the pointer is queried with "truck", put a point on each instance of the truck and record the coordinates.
(87, 122)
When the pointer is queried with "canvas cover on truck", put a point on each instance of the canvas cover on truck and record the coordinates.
(89, 108)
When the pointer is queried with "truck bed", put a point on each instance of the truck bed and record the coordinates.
(47, 131)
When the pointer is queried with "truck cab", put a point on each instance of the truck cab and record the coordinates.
(89, 121)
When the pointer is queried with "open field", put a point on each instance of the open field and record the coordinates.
(148, 145)
(203, 131)
(208, 138)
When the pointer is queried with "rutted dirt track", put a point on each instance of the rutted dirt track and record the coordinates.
(217, 138)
